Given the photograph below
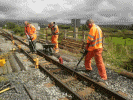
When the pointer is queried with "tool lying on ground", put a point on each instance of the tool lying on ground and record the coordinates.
(30, 41)
(8, 88)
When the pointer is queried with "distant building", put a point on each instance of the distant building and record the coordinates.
(36, 26)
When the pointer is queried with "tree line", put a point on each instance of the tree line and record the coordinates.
(17, 29)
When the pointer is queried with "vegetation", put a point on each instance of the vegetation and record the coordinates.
(119, 50)
(64, 26)
(19, 30)
(109, 30)
(119, 55)
(3, 79)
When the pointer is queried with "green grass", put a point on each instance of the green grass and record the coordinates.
(119, 54)
(120, 40)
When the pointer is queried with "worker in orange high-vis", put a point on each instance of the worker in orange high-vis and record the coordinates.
(55, 35)
(30, 32)
(95, 48)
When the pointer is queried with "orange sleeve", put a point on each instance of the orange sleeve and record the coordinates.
(91, 35)
(33, 29)
(48, 25)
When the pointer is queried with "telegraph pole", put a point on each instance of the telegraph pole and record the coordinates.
(75, 23)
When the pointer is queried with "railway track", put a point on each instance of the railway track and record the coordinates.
(79, 86)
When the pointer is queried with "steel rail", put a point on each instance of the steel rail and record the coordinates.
(26, 89)
(108, 91)
(57, 81)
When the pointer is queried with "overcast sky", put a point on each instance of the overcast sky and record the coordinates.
(120, 11)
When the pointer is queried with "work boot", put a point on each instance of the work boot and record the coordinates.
(101, 80)
(88, 70)
(57, 51)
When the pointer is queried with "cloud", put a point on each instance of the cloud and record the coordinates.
(65, 10)
(106, 6)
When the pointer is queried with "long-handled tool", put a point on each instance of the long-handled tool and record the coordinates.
(30, 40)
(84, 54)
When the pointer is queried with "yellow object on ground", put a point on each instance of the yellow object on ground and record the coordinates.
(36, 63)
(2, 62)
(4, 90)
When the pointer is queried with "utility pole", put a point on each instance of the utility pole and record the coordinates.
(75, 23)
(74, 35)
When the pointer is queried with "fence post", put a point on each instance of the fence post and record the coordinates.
(76, 33)
(65, 34)
(76, 36)
(83, 35)
(46, 35)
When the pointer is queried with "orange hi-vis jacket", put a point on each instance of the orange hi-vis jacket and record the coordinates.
(94, 38)
(27, 29)
(31, 31)
(55, 29)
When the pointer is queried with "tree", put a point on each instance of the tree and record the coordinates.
(84, 27)
(10, 25)
(131, 27)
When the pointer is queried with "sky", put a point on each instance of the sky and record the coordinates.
(62, 11)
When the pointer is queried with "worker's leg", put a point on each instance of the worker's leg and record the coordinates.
(30, 46)
(34, 44)
(55, 41)
(88, 57)
(100, 64)
(52, 39)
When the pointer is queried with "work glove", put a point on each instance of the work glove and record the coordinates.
(32, 37)
(46, 28)
(53, 33)
(87, 46)
(86, 51)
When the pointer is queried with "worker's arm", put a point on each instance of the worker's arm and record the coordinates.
(34, 30)
(25, 30)
(55, 32)
(55, 28)
(90, 37)
(47, 26)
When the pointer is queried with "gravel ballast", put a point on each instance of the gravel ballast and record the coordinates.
(115, 81)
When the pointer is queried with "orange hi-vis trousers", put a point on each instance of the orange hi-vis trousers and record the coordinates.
(54, 40)
(97, 53)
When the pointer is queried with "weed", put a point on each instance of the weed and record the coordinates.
(3, 79)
